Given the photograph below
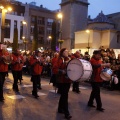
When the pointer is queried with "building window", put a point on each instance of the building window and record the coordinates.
(41, 40)
(21, 30)
(15, 24)
(32, 29)
(118, 38)
(49, 22)
(7, 28)
(41, 21)
(49, 31)
(32, 19)
(41, 30)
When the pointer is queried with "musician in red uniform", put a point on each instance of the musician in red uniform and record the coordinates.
(21, 66)
(76, 83)
(53, 77)
(64, 82)
(3, 70)
(96, 80)
(16, 68)
(36, 70)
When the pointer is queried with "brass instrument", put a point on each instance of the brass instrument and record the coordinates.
(5, 60)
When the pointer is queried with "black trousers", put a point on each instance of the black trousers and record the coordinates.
(2, 79)
(35, 80)
(95, 94)
(76, 86)
(39, 82)
(63, 101)
(20, 75)
(16, 76)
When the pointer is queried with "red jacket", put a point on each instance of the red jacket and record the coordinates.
(54, 60)
(3, 63)
(35, 66)
(96, 65)
(59, 66)
(16, 62)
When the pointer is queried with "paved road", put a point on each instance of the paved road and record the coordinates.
(24, 106)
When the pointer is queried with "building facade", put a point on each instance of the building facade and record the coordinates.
(75, 14)
(27, 13)
(44, 18)
(102, 32)
(12, 20)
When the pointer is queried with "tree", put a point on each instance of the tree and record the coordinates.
(35, 36)
(15, 40)
(53, 41)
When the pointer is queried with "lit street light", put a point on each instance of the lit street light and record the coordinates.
(88, 32)
(60, 41)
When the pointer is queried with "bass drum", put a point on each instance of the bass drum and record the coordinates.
(78, 69)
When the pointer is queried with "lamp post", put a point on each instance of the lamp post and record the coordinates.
(60, 41)
(24, 41)
(50, 38)
(88, 32)
(3, 14)
(26, 35)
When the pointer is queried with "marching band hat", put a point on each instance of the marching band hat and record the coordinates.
(97, 52)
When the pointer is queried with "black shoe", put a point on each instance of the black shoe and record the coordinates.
(100, 109)
(78, 91)
(36, 96)
(39, 88)
(90, 105)
(61, 111)
(73, 90)
(16, 90)
(68, 117)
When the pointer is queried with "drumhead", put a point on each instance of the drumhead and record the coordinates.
(74, 69)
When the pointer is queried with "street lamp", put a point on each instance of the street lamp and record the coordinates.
(60, 41)
(25, 42)
(50, 38)
(3, 14)
(88, 32)
(26, 35)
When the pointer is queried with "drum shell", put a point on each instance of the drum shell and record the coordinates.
(106, 74)
(79, 69)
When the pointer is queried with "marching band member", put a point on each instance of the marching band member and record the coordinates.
(53, 77)
(64, 82)
(3, 70)
(21, 66)
(76, 83)
(16, 66)
(36, 70)
(96, 80)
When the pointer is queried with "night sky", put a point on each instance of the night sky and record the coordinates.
(95, 7)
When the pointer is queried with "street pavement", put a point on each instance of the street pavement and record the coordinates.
(23, 106)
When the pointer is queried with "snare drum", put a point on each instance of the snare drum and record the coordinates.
(106, 74)
(78, 69)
